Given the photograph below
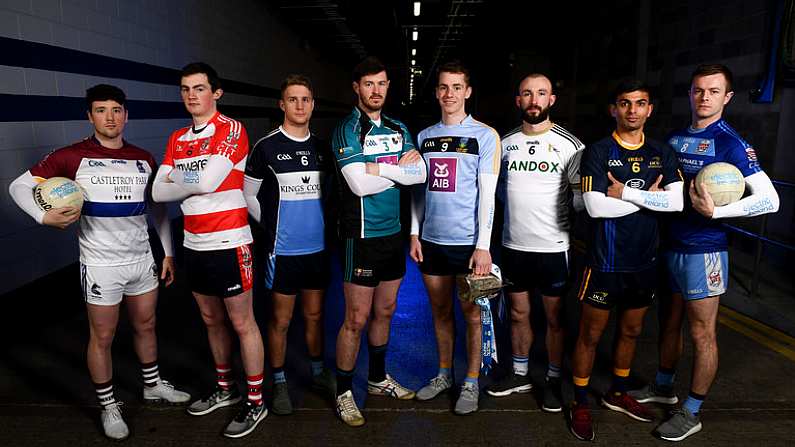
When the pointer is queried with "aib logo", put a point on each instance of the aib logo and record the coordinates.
(443, 171)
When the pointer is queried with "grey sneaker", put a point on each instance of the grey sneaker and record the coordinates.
(679, 425)
(325, 382)
(113, 424)
(165, 392)
(468, 400)
(513, 383)
(281, 404)
(654, 393)
(552, 397)
(390, 387)
(218, 398)
(435, 387)
(348, 411)
(246, 420)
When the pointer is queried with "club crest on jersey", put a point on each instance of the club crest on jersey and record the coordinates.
(714, 278)
(140, 167)
(305, 179)
(443, 174)
(703, 146)
(750, 153)
(655, 163)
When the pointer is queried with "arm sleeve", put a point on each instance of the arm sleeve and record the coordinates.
(405, 175)
(573, 174)
(207, 180)
(670, 200)
(163, 191)
(417, 208)
(487, 186)
(251, 188)
(363, 184)
(599, 205)
(21, 191)
(163, 227)
(762, 200)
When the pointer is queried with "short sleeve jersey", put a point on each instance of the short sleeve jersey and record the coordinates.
(357, 139)
(535, 178)
(113, 229)
(219, 219)
(628, 243)
(291, 197)
(455, 155)
(690, 232)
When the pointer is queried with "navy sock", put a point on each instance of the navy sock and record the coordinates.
(344, 381)
(377, 371)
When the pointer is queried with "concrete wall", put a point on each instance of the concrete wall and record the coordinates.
(243, 41)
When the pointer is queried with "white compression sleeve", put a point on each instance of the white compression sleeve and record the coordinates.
(164, 191)
(163, 227)
(21, 191)
(405, 175)
(417, 209)
(668, 201)
(363, 184)
(599, 205)
(251, 188)
(763, 199)
(208, 180)
(487, 186)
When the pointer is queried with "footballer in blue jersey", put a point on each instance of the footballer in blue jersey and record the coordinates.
(285, 185)
(451, 223)
(627, 180)
(696, 253)
(373, 155)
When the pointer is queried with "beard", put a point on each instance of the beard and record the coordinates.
(543, 114)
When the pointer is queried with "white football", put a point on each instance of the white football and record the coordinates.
(725, 183)
(57, 192)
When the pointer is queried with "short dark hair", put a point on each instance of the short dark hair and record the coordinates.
(630, 85)
(711, 69)
(454, 66)
(104, 92)
(206, 69)
(368, 66)
(297, 79)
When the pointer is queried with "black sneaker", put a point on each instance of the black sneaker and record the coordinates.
(552, 397)
(281, 403)
(512, 383)
(246, 420)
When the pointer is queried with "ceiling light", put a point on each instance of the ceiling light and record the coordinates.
(413, 51)
(413, 62)
(417, 9)
(415, 35)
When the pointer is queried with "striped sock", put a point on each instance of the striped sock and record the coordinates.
(693, 402)
(620, 378)
(223, 377)
(581, 389)
(471, 379)
(278, 375)
(151, 374)
(553, 371)
(665, 377)
(344, 381)
(445, 370)
(105, 393)
(255, 389)
(317, 365)
(520, 365)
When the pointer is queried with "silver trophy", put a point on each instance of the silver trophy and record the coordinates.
(471, 287)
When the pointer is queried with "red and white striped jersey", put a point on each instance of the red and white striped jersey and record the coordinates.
(219, 219)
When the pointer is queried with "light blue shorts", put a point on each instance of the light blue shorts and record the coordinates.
(699, 275)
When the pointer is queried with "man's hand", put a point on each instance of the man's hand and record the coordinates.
(702, 201)
(616, 188)
(372, 168)
(61, 217)
(480, 262)
(656, 185)
(415, 248)
(409, 158)
(168, 270)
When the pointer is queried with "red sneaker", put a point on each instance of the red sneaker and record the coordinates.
(581, 425)
(624, 403)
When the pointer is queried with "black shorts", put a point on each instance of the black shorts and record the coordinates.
(546, 272)
(287, 274)
(625, 290)
(369, 261)
(223, 273)
(445, 260)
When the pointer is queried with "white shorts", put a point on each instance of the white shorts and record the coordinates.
(107, 285)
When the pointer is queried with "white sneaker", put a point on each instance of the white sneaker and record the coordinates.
(165, 392)
(348, 411)
(113, 424)
(390, 387)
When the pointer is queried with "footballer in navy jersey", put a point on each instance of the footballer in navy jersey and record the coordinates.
(627, 180)
(696, 254)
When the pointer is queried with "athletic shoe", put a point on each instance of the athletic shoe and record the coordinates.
(113, 424)
(281, 404)
(552, 397)
(468, 399)
(348, 411)
(325, 382)
(513, 383)
(165, 392)
(389, 387)
(623, 403)
(246, 420)
(218, 398)
(435, 387)
(654, 393)
(581, 423)
(679, 425)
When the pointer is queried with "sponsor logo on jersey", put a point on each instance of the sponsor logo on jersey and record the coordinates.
(95, 290)
(636, 183)
(194, 165)
(530, 166)
(363, 272)
(655, 163)
(598, 297)
(283, 157)
(342, 150)
(614, 163)
(388, 159)
(443, 174)
(696, 146)
(95, 163)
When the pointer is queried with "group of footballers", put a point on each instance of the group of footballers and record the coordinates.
(635, 191)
